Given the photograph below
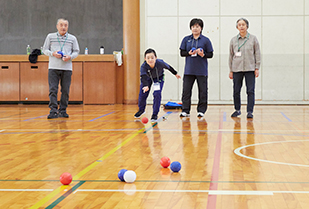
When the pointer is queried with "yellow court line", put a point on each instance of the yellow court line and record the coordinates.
(83, 172)
(49, 197)
(86, 170)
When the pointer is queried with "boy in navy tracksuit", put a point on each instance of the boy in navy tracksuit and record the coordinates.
(152, 72)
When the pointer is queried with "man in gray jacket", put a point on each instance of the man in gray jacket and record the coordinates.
(62, 48)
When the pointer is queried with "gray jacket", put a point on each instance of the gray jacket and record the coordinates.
(67, 44)
(250, 58)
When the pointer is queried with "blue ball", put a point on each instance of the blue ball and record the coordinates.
(193, 49)
(175, 166)
(60, 52)
(121, 173)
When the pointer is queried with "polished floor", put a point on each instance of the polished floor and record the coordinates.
(226, 163)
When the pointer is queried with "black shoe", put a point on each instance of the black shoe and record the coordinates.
(52, 115)
(236, 113)
(63, 115)
(249, 115)
(154, 118)
(139, 114)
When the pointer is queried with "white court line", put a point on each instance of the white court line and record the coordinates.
(228, 192)
(26, 190)
(2, 130)
(211, 192)
(237, 152)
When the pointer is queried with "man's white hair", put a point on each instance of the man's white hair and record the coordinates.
(62, 19)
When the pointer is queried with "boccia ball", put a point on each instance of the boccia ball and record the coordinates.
(145, 120)
(175, 166)
(121, 173)
(66, 178)
(193, 49)
(165, 162)
(61, 53)
(129, 176)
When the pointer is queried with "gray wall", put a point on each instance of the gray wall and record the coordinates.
(93, 22)
(281, 26)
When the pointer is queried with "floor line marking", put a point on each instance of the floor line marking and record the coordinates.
(237, 152)
(212, 199)
(48, 197)
(160, 119)
(224, 116)
(56, 202)
(163, 181)
(35, 117)
(26, 190)
(101, 116)
(286, 117)
(211, 192)
(87, 169)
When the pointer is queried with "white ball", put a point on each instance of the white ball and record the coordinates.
(129, 176)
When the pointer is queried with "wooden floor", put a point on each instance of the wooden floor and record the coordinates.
(226, 163)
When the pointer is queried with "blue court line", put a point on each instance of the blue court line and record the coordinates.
(286, 117)
(161, 118)
(101, 116)
(224, 116)
(36, 117)
(56, 202)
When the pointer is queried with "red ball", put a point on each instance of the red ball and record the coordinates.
(165, 162)
(145, 120)
(66, 178)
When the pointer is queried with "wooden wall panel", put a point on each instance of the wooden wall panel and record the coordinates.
(34, 81)
(76, 90)
(9, 81)
(119, 84)
(99, 83)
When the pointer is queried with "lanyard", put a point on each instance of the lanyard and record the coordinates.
(61, 47)
(247, 36)
(193, 43)
(151, 75)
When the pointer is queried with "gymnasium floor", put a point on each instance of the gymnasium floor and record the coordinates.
(226, 163)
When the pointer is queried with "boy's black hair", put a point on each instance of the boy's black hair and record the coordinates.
(245, 20)
(148, 51)
(195, 21)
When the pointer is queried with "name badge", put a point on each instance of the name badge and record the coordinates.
(156, 86)
(238, 54)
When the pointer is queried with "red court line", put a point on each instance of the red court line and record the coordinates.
(212, 199)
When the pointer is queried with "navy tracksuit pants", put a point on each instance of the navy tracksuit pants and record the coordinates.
(142, 97)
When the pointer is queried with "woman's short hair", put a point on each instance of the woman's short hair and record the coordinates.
(195, 21)
(245, 20)
(148, 51)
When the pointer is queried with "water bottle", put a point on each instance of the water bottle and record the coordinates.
(28, 50)
(42, 50)
(86, 50)
(102, 50)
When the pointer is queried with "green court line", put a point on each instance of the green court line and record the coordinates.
(56, 202)
(164, 181)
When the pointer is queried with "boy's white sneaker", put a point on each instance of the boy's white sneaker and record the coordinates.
(184, 114)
